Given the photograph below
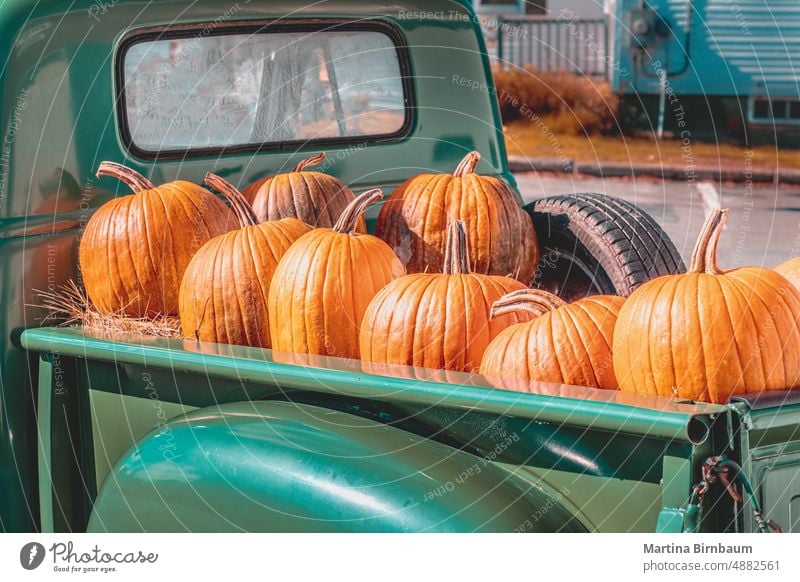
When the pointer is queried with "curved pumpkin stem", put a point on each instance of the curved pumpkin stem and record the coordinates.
(705, 253)
(534, 301)
(349, 217)
(467, 165)
(128, 176)
(456, 250)
(312, 161)
(244, 212)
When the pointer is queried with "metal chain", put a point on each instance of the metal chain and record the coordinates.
(727, 472)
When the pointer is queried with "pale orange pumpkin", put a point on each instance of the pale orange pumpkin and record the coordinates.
(223, 296)
(709, 334)
(135, 248)
(315, 198)
(437, 320)
(566, 343)
(502, 240)
(325, 281)
(791, 270)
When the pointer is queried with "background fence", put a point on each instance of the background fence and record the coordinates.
(580, 46)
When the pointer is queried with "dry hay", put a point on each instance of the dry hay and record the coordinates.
(69, 305)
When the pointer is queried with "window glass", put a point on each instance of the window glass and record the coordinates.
(240, 89)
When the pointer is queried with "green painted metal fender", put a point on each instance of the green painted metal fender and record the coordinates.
(279, 466)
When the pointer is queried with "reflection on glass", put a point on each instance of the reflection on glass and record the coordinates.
(261, 88)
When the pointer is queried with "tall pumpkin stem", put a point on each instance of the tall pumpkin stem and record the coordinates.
(534, 301)
(467, 165)
(128, 176)
(349, 217)
(706, 251)
(244, 212)
(312, 161)
(456, 250)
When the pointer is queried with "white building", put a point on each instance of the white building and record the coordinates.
(581, 8)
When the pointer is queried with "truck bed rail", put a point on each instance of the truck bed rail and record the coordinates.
(601, 409)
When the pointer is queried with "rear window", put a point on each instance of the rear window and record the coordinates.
(201, 92)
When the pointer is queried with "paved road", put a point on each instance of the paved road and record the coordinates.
(763, 228)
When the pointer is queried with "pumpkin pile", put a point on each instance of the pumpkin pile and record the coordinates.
(136, 248)
(315, 198)
(709, 334)
(223, 295)
(287, 264)
(791, 271)
(324, 283)
(437, 320)
(566, 343)
(500, 233)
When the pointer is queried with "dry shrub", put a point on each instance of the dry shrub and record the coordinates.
(564, 101)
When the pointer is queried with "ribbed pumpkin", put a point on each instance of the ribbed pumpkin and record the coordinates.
(315, 198)
(135, 248)
(224, 291)
(502, 240)
(437, 320)
(709, 334)
(325, 281)
(566, 343)
(791, 270)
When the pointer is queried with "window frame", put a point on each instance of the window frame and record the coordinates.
(785, 120)
(509, 7)
(189, 31)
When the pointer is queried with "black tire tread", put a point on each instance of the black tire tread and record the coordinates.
(629, 245)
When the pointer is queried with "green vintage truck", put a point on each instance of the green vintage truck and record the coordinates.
(116, 432)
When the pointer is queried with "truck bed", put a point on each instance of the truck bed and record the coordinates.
(224, 373)
(100, 394)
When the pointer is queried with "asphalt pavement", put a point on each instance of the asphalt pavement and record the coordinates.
(763, 227)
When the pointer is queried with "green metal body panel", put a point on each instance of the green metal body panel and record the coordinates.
(602, 504)
(770, 439)
(288, 467)
(642, 453)
(119, 422)
(234, 368)
(57, 120)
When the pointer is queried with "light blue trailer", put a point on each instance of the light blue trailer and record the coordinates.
(749, 49)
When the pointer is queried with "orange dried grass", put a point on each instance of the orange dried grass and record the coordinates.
(69, 305)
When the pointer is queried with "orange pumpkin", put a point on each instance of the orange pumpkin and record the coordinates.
(437, 320)
(502, 240)
(709, 334)
(224, 292)
(315, 198)
(135, 248)
(566, 343)
(325, 281)
(791, 270)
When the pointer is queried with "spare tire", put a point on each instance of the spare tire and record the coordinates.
(596, 244)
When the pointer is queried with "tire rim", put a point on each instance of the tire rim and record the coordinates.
(571, 278)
